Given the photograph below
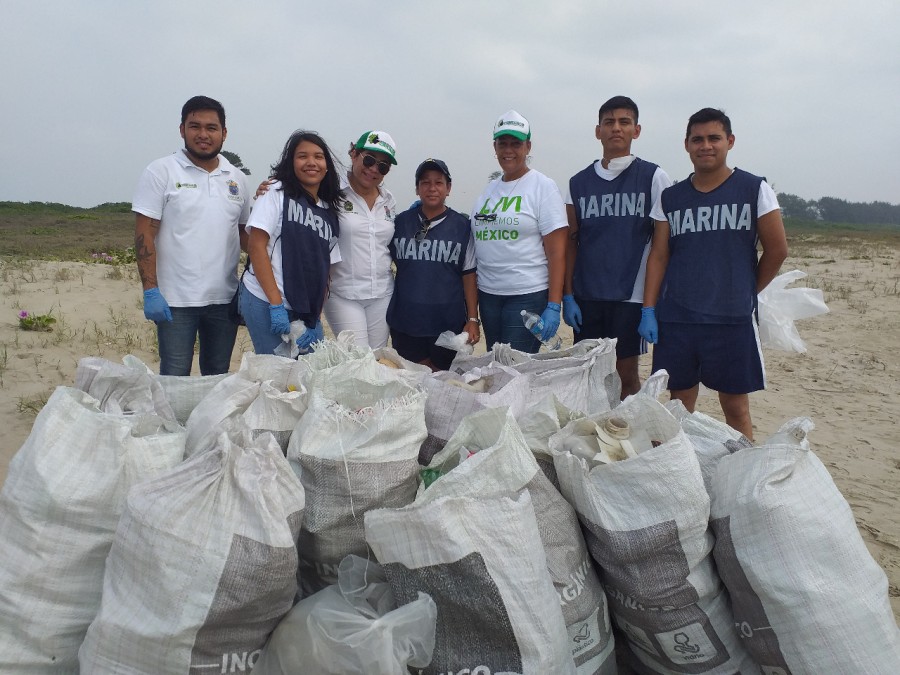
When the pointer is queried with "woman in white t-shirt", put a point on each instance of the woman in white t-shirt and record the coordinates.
(362, 283)
(520, 227)
(292, 242)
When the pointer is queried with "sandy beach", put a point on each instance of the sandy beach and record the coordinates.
(848, 381)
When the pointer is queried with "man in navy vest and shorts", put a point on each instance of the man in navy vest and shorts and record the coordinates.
(704, 274)
(608, 208)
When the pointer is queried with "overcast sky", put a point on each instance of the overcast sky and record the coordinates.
(92, 90)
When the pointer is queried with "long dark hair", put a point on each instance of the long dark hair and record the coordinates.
(283, 170)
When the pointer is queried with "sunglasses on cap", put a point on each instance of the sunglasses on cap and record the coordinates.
(383, 167)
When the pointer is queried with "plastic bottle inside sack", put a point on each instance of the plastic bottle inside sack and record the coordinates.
(535, 324)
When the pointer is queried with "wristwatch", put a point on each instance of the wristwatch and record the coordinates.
(475, 319)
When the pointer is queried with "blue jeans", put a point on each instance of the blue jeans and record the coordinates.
(177, 337)
(501, 319)
(259, 321)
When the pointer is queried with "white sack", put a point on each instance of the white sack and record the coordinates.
(203, 566)
(807, 596)
(352, 627)
(583, 377)
(502, 466)
(353, 454)
(712, 439)
(497, 611)
(646, 524)
(183, 392)
(453, 396)
(260, 405)
(122, 389)
(780, 307)
(59, 509)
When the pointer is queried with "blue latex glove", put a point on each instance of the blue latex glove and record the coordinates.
(572, 312)
(311, 336)
(278, 316)
(648, 327)
(155, 306)
(550, 317)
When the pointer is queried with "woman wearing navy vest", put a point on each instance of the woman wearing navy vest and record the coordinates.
(293, 231)
(434, 290)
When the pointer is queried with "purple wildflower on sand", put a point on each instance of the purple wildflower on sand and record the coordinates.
(23, 314)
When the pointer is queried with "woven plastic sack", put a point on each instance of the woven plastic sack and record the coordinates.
(183, 392)
(712, 439)
(203, 566)
(352, 627)
(499, 464)
(355, 449)
(122, 388)
(646, 525)
(453, 396)
(807, 596)
(481, 562)
(59, 509)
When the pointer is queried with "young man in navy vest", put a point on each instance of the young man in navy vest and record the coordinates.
(610, 229)
(703, 273)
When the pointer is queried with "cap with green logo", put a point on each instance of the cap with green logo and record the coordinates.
(378, 141)
(512, 124)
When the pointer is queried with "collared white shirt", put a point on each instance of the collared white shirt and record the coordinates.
(364, 271)
(198, 243)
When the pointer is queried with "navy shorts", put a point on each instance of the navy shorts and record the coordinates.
(417, 349)
(612, 319)
(725, 357)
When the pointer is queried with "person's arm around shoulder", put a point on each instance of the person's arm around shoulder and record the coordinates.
(773, 241)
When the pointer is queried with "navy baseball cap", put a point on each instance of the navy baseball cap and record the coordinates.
(432, 165)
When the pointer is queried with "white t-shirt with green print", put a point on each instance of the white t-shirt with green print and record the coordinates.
(509, 221)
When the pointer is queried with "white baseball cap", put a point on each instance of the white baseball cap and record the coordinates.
(378, 141)
(512, 124)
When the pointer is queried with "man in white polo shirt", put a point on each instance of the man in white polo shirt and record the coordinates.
(190, 211)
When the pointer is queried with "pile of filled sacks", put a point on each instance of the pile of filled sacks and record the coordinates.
(351, 512)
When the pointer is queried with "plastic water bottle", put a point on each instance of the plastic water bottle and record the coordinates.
(535, 324)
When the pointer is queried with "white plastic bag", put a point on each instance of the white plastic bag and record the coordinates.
(288, 347)
(780, 307)
(457, 342)
(352, 627)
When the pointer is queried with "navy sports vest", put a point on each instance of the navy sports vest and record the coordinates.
(428, 291)
(308, 233)
(614, 228)
(711, 275)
